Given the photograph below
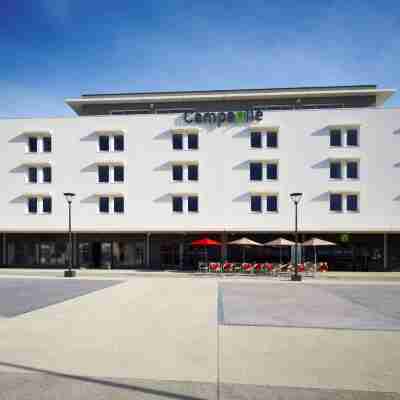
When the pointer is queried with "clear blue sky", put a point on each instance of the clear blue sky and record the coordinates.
(53, 49)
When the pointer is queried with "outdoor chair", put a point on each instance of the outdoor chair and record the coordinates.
(284, 271)
(247, 268)
(309, 269)
(227, 267)
(203, 267)
(268, 268)
(214, 267)
(258, 268)
(323, 267)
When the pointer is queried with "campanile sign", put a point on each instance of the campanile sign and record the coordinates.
(219, 118)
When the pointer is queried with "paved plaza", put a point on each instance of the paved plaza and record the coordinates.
(192, 338)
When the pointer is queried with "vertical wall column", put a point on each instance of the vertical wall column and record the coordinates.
(148, 249)
(223, 247)
(4, 247)
(385, 252)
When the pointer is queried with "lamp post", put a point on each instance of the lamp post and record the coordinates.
(296, 197)
(69, 273)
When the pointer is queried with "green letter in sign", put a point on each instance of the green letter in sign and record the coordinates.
(240, 116)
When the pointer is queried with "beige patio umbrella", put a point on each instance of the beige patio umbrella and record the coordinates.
(244, 242)
(280, 242)
(315, 242)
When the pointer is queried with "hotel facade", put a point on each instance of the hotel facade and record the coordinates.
(154, 171)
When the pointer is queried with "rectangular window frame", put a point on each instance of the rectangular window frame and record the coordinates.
(32, 176)
(177, 145)
(193, 172)
(177, 173)
(256, 200)
(119, 145)
(104, 205)
(100, 177)
(47, 144)
(270, 164)
(193, 144)
(256, 140)
(357, 136)
(335, 163)
(338, 133)
(357, 164)
(119, 177)
(177, 204)
(47, 178)
(31, 140)
(256, 175)
(337, 195)
(268, 136)
(118, 204)
(191, 201)
(32, 206)
(267, 208)
(47, 204)
(100, 144)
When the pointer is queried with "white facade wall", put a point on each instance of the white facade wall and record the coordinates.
(224, 186)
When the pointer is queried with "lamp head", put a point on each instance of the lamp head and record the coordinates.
(69, 196)
(296, 197)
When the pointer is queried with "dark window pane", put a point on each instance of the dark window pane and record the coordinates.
(47, 144)
(118, 142)
(104, 173)
(177, 204)
(104, 206)
(47, 204)
(118, 173)
(352, 169)
(33, 145)
(193, 141)
(118, 204)
(177, 172)
(352, 202)
(335, 170)
(47, 174)
(336, 202)
(272, 171)
(255, 203)
(32, 205)
(193, 172)
(255, 171)
(336, 137)
(256, 140)
(177, 141)
(32, 175)
(193, 203)
(272, 203)
(104, 143)
(272, 139)
(352, 137)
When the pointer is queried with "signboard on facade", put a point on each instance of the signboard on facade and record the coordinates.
(219, 118)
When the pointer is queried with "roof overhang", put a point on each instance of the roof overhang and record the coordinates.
(76, 103)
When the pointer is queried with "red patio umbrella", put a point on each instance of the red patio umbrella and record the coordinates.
(206, 242)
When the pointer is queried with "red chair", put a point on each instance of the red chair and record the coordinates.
(257, 268)
(268, 267)
(247, 268)
(301, 268)
(214, 267)
(323, 267)
(227, 267)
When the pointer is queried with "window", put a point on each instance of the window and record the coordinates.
(193, 141)
(272, 139)
(193, 172)
(352, 137)
(32, 205)
(119, 143)
(193, 204)
(47, 144)
(33, 145)
(32, 175)
(272, 171)
(177, 172)
(47, 174)
(352, 202)
(272, 203)
(256, 171)
(118, 173)
(177, 141)
(104, 173)
(47, 205)
(104, 143)
(256, 140)
(336, 170)
(177, 204)
(352, 169)
(336, 202)
(255, 204)
(118, 204)
(336, 137)
(104, 206)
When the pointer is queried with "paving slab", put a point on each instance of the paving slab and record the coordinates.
(371, 307)
(20, 295)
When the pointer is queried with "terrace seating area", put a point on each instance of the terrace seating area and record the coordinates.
(282, 271)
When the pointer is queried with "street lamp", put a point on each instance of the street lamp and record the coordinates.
(296, 197)
(69, 273)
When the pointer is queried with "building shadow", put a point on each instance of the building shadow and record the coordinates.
(321, 164)
(321, 132)
(116, 385)
(321, 197)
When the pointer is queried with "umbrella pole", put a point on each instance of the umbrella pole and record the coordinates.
(315, 257)
(280, 255)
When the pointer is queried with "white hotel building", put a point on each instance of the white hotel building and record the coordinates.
(153, 171)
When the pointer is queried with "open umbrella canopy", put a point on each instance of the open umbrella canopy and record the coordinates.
(244, 241)
(206, 242)
(280, 242)
(318, 242)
